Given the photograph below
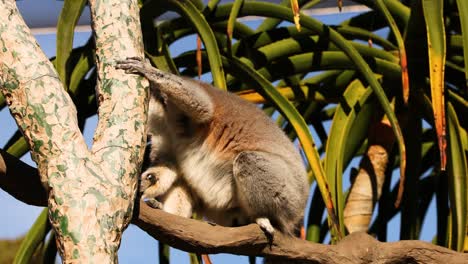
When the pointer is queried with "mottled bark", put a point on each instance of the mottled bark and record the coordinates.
(91, 193)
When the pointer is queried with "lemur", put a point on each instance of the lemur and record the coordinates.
(219, 155)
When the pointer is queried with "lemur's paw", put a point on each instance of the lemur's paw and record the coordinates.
(132, 65)
(153, 203)
(266, 226)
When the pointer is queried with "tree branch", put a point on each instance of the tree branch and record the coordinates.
(201, 237)
(204, 238)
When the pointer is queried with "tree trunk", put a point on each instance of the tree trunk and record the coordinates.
(90, 192)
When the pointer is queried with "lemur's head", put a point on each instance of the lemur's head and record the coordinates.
(152, 181)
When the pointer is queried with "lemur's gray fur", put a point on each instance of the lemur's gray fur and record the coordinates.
(219, 155)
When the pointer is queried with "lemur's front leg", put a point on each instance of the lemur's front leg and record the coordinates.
(187, 94)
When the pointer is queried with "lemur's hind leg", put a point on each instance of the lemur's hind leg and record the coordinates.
(264, 193)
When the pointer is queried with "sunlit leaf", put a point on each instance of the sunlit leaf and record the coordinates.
(82, 67)
(433, 15)
(68, 18)
(348, 129)
(457, 171)
(19, 148)
(33, 238)
(401, 48)
(463, 11)
(189, 11)
(231, 22)
(295, 9)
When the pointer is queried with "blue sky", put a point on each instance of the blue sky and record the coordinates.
(137, 246)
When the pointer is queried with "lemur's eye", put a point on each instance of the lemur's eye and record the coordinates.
(150, 177)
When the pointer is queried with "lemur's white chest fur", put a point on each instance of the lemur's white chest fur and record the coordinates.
(209, 176)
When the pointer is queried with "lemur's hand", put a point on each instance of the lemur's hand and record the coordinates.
(135, 65)
(153, 203)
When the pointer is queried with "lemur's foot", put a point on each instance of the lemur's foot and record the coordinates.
(153, 203)
(211, 223)
(266, 226)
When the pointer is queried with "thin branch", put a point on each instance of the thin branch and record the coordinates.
(203, 238)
